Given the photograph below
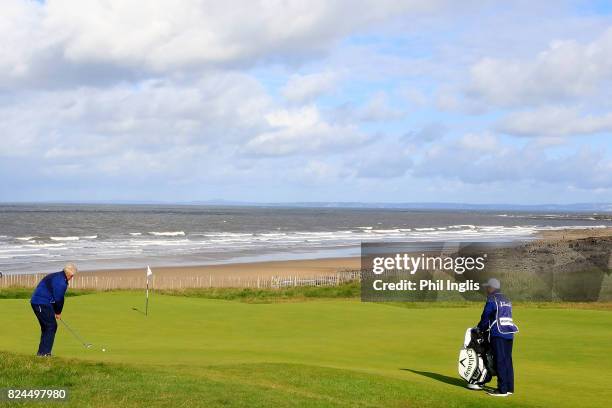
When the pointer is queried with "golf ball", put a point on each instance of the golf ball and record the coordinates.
(103, 349)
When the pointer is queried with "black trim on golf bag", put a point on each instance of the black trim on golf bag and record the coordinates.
(476, 364)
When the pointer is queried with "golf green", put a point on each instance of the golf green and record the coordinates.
(203, 352)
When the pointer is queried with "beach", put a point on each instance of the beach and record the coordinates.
(532, 253)
(307, 268)
(295, 268)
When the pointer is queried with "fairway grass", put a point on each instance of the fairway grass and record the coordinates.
(194, 351)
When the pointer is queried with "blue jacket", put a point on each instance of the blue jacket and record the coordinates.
(51, 290)
(498, 309)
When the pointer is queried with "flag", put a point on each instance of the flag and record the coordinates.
(149, 274)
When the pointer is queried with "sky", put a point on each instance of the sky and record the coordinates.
(319, 100)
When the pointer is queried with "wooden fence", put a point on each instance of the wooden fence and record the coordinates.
(107, 282)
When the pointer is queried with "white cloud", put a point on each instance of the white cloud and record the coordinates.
(378, 108)
(388, 165)
(151, 118)
(480, 143)
(165, 128)
(321, 172)
(305, 88)
(555, 121)
(302, 130)
(431, 132)
(84, 40)
(22, 38)
(485, 159)
(567, 70)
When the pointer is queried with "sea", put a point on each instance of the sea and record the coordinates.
(40, 238)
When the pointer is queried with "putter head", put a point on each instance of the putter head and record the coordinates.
(89, 345)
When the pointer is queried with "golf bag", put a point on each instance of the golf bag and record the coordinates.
(476, 360)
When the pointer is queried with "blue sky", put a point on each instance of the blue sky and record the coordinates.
(382, 101)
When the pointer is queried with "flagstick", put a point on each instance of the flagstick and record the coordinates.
(149, 274)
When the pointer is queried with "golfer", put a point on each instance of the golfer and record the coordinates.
(47, 302)
(497, 320)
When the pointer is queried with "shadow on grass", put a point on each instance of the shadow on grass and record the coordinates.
(138, 310)
(458, 382)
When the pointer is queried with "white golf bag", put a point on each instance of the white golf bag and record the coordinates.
(475, 360)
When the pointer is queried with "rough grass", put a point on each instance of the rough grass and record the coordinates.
(237, 385)
(349, 290)
(26, 293)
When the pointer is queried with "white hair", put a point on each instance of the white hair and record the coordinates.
(70, 269)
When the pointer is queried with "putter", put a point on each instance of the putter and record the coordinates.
(76, 336)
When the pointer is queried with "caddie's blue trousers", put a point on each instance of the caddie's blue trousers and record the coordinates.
(502, 353)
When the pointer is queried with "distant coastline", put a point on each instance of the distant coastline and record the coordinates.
(605, 208)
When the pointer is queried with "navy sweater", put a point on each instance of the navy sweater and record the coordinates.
(51, 290)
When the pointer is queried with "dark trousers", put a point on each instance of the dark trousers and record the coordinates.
(502, 353)
(48, 326)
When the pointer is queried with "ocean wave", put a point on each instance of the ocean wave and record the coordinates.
(159, 242)
(571, 227)
(318, 234)
(64, 238)
(25, 238)
(559, 217)
(44, 245)
(18, 248)
(386, 231)
(221, 234)
(462, 226)
(167, 233)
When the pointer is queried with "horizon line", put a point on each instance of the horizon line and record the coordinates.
(339, 204)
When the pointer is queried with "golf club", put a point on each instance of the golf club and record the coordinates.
(76, 336)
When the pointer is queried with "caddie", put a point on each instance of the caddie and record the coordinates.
(497, 320)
